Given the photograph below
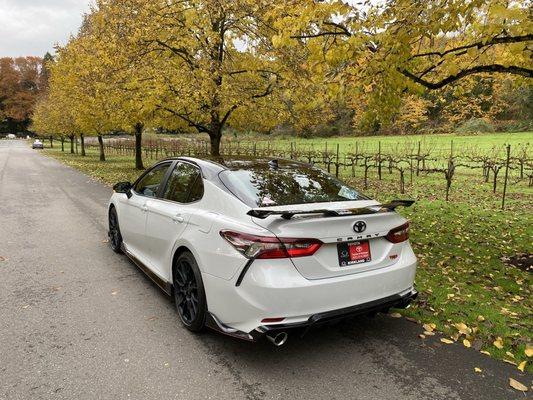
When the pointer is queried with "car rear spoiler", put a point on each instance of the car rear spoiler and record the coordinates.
(378, 208)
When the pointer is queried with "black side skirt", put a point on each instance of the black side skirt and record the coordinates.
(164, 285)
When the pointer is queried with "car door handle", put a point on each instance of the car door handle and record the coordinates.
(144, 208)
(178, 218)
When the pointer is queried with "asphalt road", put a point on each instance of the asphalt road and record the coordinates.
(78, 321)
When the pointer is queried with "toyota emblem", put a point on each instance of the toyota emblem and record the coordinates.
(359, 226)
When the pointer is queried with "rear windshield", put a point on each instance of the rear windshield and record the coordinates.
(273, 184)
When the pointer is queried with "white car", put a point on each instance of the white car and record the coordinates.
(37, 144)
(254, 247)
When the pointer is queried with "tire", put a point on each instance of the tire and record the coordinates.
(115, 238)
(189, 292)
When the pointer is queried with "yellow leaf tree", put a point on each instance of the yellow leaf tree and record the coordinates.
(204, 62)
(380, 50)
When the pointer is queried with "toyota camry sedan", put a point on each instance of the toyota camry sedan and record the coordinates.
(257, 247)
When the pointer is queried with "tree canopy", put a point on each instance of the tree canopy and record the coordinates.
(22, 80)
(205, 65)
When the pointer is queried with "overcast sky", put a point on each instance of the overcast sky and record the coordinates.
(33, 27)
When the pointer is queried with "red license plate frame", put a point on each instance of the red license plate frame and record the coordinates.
(353, 253)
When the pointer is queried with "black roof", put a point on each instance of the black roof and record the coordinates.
(214, 165)
(211, 166)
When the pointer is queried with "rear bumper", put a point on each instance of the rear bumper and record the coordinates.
(396, 301)
(275, 289)
(381, 305)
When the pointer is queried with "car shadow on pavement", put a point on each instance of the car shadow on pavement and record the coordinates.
(361, 347)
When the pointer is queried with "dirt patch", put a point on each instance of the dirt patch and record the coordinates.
(524, 261)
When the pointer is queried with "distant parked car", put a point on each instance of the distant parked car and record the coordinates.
(37, 145)
(11, 136)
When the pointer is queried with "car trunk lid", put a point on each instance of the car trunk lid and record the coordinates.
(353, 236)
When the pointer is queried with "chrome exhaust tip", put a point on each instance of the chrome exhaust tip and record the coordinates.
(279, 339)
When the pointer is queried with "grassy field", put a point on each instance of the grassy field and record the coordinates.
(469, 288)
(429, 142)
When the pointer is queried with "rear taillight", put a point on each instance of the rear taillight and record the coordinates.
(399, 234)
(252, 246)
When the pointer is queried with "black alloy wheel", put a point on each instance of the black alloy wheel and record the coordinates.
(115, 238)
(189, 292)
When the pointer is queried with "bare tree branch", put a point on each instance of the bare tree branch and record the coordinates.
(479, 45)
(515, 70)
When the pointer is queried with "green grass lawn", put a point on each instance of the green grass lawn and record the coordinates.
(466, 287)
(443, 142)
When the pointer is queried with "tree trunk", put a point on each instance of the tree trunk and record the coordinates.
(71, 137)
(62, 143)
(101, 144)
(215, 138)
(82, 143)
(138, 146)
(51, 142)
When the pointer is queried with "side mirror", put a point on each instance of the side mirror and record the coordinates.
(123, 187)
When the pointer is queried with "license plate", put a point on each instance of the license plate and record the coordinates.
(351, 253)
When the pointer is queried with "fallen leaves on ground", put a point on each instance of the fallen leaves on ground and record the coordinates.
(522, 366)
(517, 385)
(498, 343)
(478, 370)
(395, 315)
(429, 327)
(463, 328)
(447, 341)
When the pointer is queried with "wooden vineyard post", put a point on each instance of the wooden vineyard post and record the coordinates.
(451, 150)
(506, 175)
(292, 152)
(325, 158)
(354, 161)
(379, 160)
(418, 160)
(337, 162)
(410, 170)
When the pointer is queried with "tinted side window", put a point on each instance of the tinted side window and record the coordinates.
(185, 184)
(149, 184)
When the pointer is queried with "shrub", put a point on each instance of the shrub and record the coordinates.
(514, 126)
(475, 125)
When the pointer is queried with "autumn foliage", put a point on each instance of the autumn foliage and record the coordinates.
(209, 65)
(22, 80)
